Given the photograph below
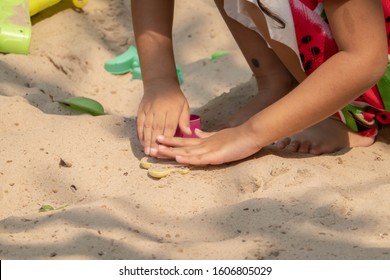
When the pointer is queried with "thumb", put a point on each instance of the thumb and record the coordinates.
(184, 122)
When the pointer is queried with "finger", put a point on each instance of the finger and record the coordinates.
(140, 127)
(160, 154)
(171, 152)
(199, 159)
(203, 134)
(177, 141)
(184, 122)
(171, 124)
(168, 152)
(157, 129)
(147, 134)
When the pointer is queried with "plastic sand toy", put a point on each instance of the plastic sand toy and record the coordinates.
(158, 168)
(195, 123)
(15, 26)
(37, 6)
(15, 22)
(129, 62)
(124, 63)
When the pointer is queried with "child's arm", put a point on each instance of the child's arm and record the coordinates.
(359, 30)
(163, 105)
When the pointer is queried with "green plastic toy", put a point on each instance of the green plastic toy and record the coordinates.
(384, 87)
(15, 26)
(15, 22)
(84, 104)
(124, 63)
(129, 62)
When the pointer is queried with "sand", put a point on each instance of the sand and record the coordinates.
(273, 205)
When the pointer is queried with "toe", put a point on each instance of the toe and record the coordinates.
(304, 147)
(316, 150)
(293, 146)
(281, 144)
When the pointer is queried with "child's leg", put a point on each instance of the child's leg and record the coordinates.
(272, 77)
(329, 135)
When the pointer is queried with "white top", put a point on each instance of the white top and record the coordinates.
(281, 8)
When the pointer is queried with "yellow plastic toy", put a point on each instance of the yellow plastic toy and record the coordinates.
(39, 5)
(15, 22)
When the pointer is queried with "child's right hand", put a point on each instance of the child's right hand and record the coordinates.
(161, 110)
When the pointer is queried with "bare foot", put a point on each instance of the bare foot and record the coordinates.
(265, 97)
(254, 105)
(328, 136)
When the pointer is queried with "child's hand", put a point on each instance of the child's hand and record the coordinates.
(211, 148)
(159, 113)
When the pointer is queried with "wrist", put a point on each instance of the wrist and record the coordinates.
(162, 86)
(163, 82)
(255, 132)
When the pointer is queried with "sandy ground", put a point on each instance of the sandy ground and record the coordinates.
(274, 205)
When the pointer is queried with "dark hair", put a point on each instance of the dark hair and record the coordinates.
(271, 14)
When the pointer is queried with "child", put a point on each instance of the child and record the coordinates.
(317, 83)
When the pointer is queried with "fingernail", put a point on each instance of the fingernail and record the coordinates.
(147, 151)
(153, 151)
(160, 137)
(180, 159)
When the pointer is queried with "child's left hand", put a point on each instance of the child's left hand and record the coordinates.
(210, 148)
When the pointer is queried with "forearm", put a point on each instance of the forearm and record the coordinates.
(152, 22)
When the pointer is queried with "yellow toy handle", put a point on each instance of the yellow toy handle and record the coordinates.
(35, 6)
(79, 3)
